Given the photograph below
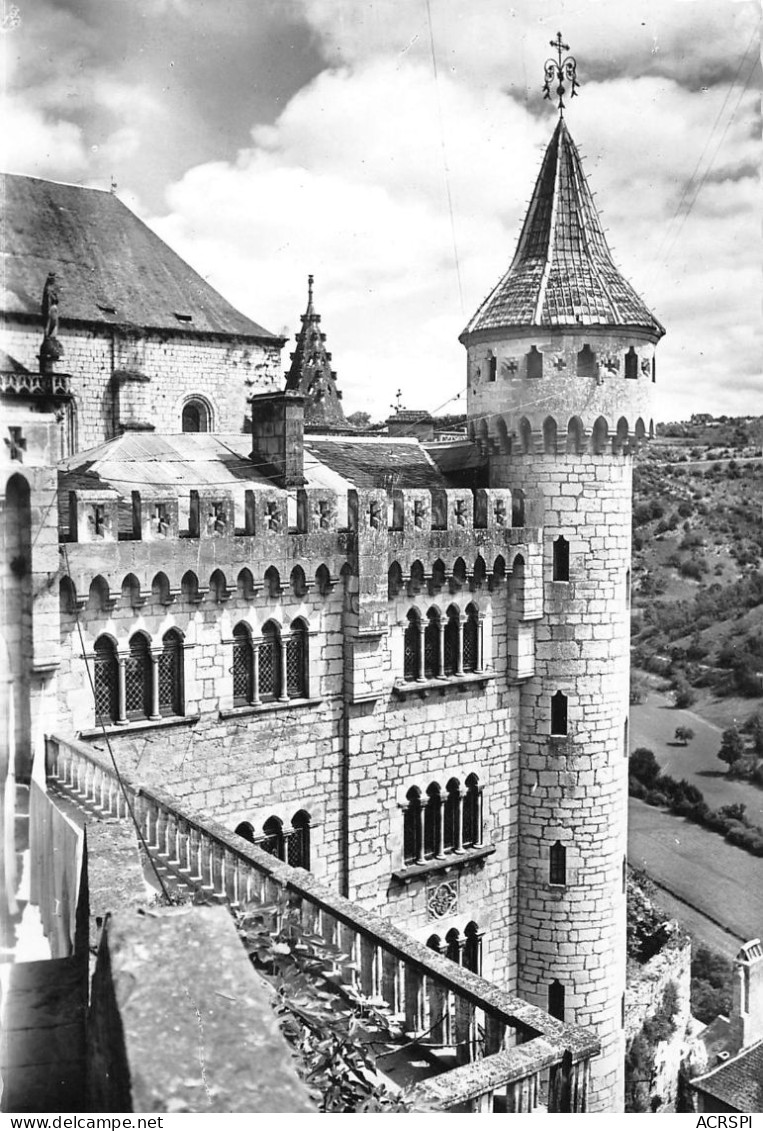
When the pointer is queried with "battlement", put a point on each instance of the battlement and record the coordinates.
(269, 515)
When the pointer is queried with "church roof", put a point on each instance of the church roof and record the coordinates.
(562, 273)
(311, 373)
(110, 267)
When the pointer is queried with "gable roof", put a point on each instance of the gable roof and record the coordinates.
(110, 267)
(562, 273)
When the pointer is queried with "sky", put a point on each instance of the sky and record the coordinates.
(390, 148)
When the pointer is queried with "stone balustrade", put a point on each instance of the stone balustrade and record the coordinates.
(512, 1056)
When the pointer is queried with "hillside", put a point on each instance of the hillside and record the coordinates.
(697, 611)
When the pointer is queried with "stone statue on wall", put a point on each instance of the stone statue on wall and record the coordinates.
(51, 349)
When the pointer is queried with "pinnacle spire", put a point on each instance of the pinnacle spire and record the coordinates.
(563, 273)
(311, 374)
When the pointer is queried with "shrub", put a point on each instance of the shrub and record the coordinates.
(643, 766)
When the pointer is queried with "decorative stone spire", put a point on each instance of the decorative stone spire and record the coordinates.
(563, 273)
(311, 373)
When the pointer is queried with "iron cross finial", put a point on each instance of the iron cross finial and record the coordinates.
(559, 71)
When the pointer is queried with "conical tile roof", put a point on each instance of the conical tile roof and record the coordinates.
(562, 273)
(311, 373)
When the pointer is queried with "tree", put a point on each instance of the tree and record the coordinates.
(683, 692)
(684, 735)
(732, 746)
(359, 419)
(643, 766)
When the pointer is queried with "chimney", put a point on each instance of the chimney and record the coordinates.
(747, 1007)
(278, 428)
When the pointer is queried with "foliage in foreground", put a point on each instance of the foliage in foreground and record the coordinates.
(336, 1034)
(711, 984)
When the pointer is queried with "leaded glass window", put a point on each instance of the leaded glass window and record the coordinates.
(296, 661)
(412, 827)
(138, 678)
(106, 680)
(242, 665)
(270, 664)
(170, 674)
(432, 645)
(471, 642)
(412, 648)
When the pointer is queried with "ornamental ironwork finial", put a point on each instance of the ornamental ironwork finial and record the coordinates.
(560, 71)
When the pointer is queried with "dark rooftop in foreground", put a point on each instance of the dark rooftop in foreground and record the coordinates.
(111, 268)
(737, 1083)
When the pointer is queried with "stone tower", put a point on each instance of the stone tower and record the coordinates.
(311, 374)
(560, 374)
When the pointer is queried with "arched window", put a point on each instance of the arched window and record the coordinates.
(196, 416)
(246, 830)
(454, 945)
(534, 363)
(451, 642)
(433, 823)
(138, 678)
(298, 848)
(394, 580)
(273, 839)
(557, 864)
(452, 834)
(242, 668)
(556, 1000)
(472, 957)
(631, 364)
(412, 648)
(470, 659)
(412, 841)
(434, 942)
(472, 813)
(549, 435)
(106, 680)
(432, 645)
(586, 362)
(559, 713)
(296, 661)
(171, 674)
(561, 559)
(492, 366)
(269, 663)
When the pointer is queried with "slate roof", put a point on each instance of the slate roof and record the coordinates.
(105, 259)
(149, 462)
(375, 462)
(311, 373)
(562, 273)
(737, 1082)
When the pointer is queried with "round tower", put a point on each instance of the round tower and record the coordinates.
(560, 375)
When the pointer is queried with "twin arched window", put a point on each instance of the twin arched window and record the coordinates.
(270, 668)
(442, 822)
(439, 648)
(292, 844)
(151, 682)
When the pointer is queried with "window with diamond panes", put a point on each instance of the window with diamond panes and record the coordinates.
(270, 664)
(450, 659)
(242, 666)
(432, 645)
(471, 641)
(171, 674)
(296, 662)
(412, 827)
(106, 680)
(432, 821)
(471, 817)
(298, 843)
(412, 648)
(138, 678)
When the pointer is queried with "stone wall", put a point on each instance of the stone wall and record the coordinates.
(134, 379)
(644, 995)
(207, 1014)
